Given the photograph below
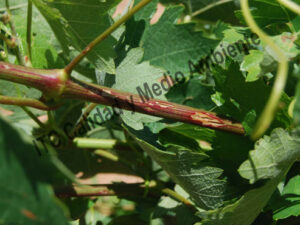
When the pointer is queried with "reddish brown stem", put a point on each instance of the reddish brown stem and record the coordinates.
(50, 82)
(100, 190)
(53, 84)
(108, 96)
(121, 190)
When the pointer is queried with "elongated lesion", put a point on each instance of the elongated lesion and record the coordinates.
(212, 121)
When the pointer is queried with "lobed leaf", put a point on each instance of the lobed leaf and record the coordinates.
(272, 158)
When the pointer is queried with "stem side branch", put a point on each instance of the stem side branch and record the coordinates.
(105, 34)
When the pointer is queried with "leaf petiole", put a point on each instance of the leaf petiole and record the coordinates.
(94, 143)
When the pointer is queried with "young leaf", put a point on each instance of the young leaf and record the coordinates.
(251, 64)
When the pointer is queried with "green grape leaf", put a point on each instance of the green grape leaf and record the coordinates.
(17, 90)
(272, 158)
(244, 101)
(138, 77)
(231, 36)
(288, 203)
(227, 150)
(251, 65)
(44, 56)
(192, 93)
(169, 207)
(192, 170)
(136, 26)
(296, 110)
(77, 22)
(184, 44)
(267, 12)
(240, 96)
(44, 44)
(208, 9)
(285, 41)
(272, 155)
(245, 210)
(296, 23)
(25, 195)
